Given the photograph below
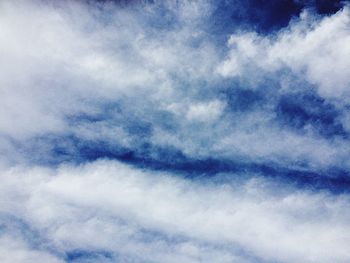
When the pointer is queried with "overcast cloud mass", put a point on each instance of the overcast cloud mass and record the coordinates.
(174, 131)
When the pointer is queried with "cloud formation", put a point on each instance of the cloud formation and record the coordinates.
(307, 47)
(118, 211)
(153, 132)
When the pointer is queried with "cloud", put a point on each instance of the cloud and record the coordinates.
(108, 206)
(107, 74)
(141, 133)
(13, 250)
(312, 47)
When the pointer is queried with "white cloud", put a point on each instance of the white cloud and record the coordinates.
(92, 72)
(107, 206)
(315, 48)
(64, 60)
(17, 251)
(55, 65)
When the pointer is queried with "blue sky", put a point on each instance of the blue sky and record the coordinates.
(174, 131)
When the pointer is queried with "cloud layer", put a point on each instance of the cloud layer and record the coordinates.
(116, 211)
(154, 132)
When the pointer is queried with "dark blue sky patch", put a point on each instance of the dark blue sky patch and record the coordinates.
(334, 179)
(326, 7)
(260, 15)
(54, 150)
(81, 255)
(301, 110)
(263, 16)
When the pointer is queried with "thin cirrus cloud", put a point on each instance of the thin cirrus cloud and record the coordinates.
(154, 132)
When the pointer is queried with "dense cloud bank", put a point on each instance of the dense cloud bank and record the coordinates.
(174, 131)
(111, 211)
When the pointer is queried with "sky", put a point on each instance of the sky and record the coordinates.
(172, 131)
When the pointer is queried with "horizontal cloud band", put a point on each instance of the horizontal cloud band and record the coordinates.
(111, 210)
